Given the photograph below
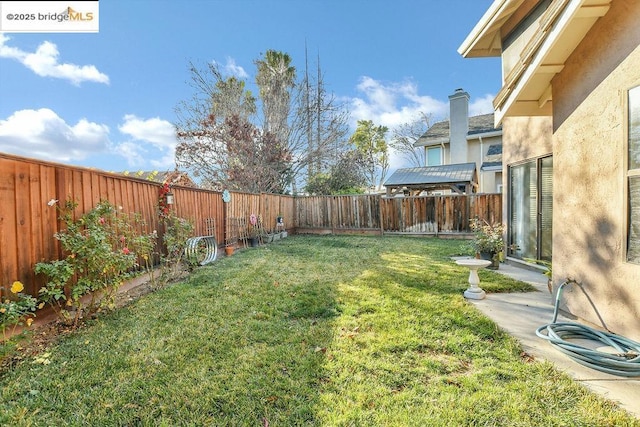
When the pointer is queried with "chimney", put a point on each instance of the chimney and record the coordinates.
(458, 126)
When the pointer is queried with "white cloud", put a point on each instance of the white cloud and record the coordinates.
(393, 104)
(158, 132)
(231, 68)
(148, 135)
(43, 134)
(482, 105)
(133, 152)
(44, 62)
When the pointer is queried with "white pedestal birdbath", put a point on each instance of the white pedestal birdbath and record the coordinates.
(474, 291)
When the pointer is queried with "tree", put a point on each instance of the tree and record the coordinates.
(318, 130)
(231, 98)
(276, 79)
(406, 135)
(235, 155)
(347, 176)
(204, 124)
(213, 95)
(371, 141)
(308, 127)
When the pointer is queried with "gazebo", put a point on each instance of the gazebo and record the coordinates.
(461, 178)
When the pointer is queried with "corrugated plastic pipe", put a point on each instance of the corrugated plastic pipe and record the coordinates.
(624, 361)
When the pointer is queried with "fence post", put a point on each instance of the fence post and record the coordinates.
(380, 199)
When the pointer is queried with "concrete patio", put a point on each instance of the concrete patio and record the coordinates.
(520, 314)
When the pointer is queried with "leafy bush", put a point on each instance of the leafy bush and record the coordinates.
(102, 249)
(177, 232)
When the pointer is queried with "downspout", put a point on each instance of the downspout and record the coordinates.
(480, 170)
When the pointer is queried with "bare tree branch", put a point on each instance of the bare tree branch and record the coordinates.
(406, 135)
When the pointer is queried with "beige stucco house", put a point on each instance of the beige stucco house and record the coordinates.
(462, 139)
(570, 111)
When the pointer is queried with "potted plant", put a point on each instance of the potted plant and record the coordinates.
(229, 247)
(280, 229)
(487, 241)
(254, 231)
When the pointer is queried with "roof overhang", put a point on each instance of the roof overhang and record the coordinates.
(485, 39)
(527, 88)
(484, 135)
(430, 142)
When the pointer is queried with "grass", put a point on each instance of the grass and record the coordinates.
(330, 331)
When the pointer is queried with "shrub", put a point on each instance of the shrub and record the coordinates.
(177, 232)
(102, 249)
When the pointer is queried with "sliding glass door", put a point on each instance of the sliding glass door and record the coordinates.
(531, 209)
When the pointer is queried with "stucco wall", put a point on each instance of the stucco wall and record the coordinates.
(525, 138)
(590, 210)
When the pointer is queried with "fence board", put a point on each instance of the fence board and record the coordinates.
(8, 232)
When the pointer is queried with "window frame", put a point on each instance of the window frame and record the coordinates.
(629, 172)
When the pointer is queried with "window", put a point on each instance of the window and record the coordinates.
(434, 156)
(633, 176)
(531, 209)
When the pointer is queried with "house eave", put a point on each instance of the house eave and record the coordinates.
(431, 142)
(489, 134)
(527, 89)
(485, 38)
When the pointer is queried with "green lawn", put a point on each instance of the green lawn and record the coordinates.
(327, 331)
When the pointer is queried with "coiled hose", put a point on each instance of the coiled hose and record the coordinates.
(624, 363)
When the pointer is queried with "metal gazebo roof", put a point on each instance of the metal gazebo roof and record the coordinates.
(430, 178)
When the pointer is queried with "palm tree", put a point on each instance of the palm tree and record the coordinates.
(276, 78)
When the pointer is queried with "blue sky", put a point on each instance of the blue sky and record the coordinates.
(107, 100)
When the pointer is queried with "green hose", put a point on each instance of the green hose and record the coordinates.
(624, 363)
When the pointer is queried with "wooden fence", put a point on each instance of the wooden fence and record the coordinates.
(28, 223)
(408, 215)
(338, 213)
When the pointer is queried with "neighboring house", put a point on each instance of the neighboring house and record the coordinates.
(570, 110)
(463, 139)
